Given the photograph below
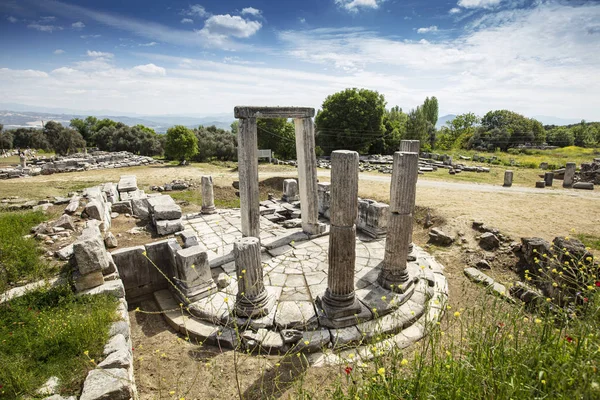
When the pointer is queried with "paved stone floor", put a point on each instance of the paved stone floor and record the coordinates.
(295, 273)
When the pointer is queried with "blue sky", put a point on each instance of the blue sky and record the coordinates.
(187, 57)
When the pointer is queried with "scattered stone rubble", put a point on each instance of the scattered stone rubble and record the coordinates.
(75, 163)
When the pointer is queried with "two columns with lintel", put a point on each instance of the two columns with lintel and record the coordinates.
(248, 165)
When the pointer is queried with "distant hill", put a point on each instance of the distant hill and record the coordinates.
(442, 120)
(16, 119)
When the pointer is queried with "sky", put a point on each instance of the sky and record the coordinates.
(203, 58)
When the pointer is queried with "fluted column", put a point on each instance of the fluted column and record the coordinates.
(252, 298)
(339, 300)
(248, 173)
(411, 146)
(208, 196)
(394, 274)
(569, 177)
(307, 175)
(508, 178)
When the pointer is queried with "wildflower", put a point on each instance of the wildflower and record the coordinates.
(144, 253)
(243, 271)
(548, 299)
(500, 325)
(569, 339)
(351, 355)
(448, 307)
(306, 342)
(137, 309)
(192, 266)
(554, 284)
(597, 283)
(86, 352)
(226, 299)
(448, 353)
(422, 267)
(525, 319)
(554, 270)
(348, 370)
(277, 364)
(381, 371)
(172, 392)
(543, 382)
(412, 313)
(404, 361)
(585, 299)
(511, 337)
(383, 298)
(457, 314)
(538, 321)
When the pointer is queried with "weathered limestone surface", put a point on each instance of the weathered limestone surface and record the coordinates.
(208, 196)
(404, 181)
(248, 172)
(410, 146)
(127, 183)
(508, 178)
(307, 174)
(252, 298)
(290, 190)
(89, 252)
(168, 227)
(164, 208)
(107, 384)
(194, 279)
(569, 177)
(549, 178)
(243, 112)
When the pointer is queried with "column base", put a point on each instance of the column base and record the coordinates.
(208, 210)
(412, 254)
(332, 316)
(314, 229)
(256, 307)
(193, 294)
(399, 283)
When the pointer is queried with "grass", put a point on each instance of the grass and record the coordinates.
(51, 332)
(20, 256)
(591, 241)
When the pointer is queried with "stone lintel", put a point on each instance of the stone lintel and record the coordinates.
(244, 112)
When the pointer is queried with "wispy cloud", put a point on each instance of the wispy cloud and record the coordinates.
(90, 36)
(150, 44)
(356, 5)
(44, 28)
(78, 25)
(227, 25)
(150, 69)
(252, 11)
(92, 53)
(59, 51)
(11, 19)
(428, 29)
(454, 10)
(187, 21)
(196, 10)
(478, 3)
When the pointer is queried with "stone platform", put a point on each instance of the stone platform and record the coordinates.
(295, 273)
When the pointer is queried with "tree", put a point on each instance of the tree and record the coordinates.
(417, 127)
(582, 135)
(181, 143)
(68, 141)
(215, 143)
(394, 121)
(457, 132)
(351, 119)
(235, 125)
(52, 129)
(560, 136)
(279, 135)
(6, 140)
(87, 128)
(430, 109)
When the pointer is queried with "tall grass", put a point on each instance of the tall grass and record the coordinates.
(19, 256)
(47, 333)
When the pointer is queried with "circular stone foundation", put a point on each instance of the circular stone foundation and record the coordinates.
(294, 276)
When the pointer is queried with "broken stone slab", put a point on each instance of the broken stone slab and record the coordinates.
(163, 208)
(477, 276)
(489, 241)
(72, 207)
(341, 337)
(117, 359)
(110, 241)
(107, 384)
(127, 183)
(95, 210)
(114, 288)
(292, 223)
(116, 343)
(526, 293)
(140, 208)
(65, 253)
(122, 207)
(87, 281)
(584, 185)
(89, 252)
(167, 227)
(296, 315)
(50, 387)
(483, 264)
(59, 397)
(278, 241)
(439, 237)
(66, 222)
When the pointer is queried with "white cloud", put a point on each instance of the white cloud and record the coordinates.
(22, 73)
(59, 51)
(44, 28)
(195, 10)
(78, 25)
(150, 69)
(101, 54)
(428, 29)
(227, 25)
(48, 19)
(64, 71)
(150, 44)
(90, 36)
(252, 11)
(478, 3)
(187, 21)
(454, 10)
(355, 5)
(302, 20)
(12, 19)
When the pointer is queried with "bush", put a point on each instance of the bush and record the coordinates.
(181, 143)
(214, 143)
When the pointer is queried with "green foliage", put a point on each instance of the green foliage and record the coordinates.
(215, 143)
(418, 128)
(52, 129)
(19, 256)
(6, 140)
(181, 143)
(279, 135)
(351, 119)
(560, 136)
(394, 121)
(46, 333)
(430, 109)
(504, 129)
(68, 141)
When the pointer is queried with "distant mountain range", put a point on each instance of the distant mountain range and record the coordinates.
(21, 115)
(16, 116)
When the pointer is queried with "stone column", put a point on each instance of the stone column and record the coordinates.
(411, 146)
(508, 178)
(307, 176)
(549, 178)
(394, 274)
(208, 196)
(23, 162)
(290, 190)
(569, 175)
(194, 280)
(339, 303)
(248, 173)
(252, 298)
